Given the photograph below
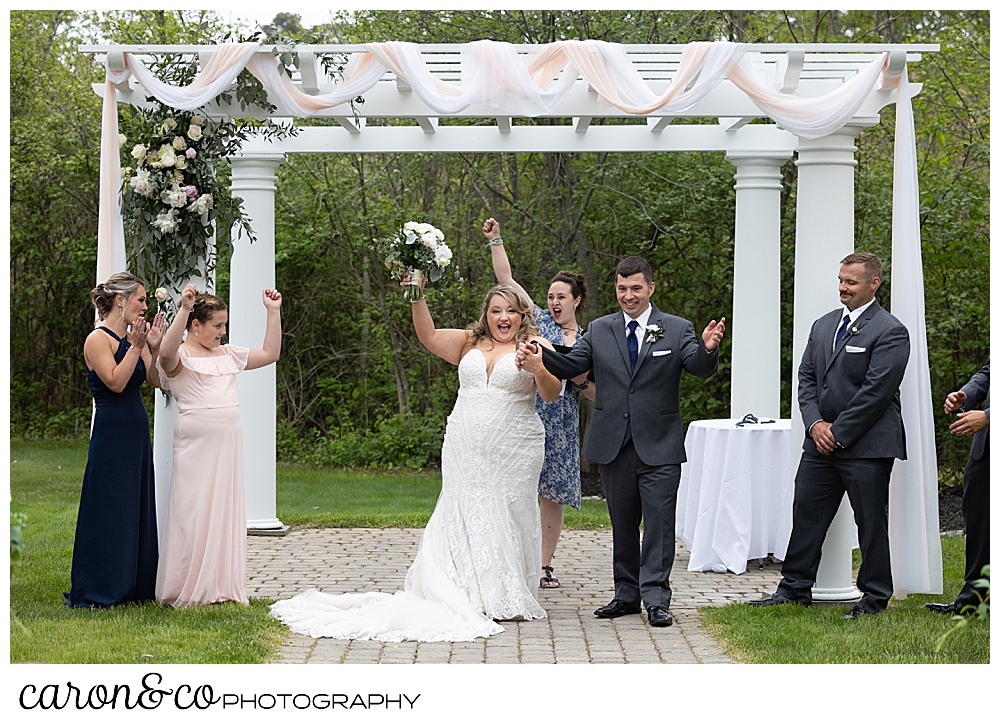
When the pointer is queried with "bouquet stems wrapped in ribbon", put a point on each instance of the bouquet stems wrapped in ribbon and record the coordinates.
(417, 250)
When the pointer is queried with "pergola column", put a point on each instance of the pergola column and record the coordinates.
(252, 270)
(824, 234)
(756, 316)
(165, 413)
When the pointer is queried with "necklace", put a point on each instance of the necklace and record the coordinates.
(211, 352)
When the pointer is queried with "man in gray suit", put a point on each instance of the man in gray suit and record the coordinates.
(976, 485)
(635, 434)
(849, 398)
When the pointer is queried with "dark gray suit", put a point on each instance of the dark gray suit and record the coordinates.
(976, 491)
(854, 386)
(637, 437)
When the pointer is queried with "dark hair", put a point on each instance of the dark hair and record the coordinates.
(103, 295)
(205, 305)
(635, 265)
(577, 285)
(873, 265)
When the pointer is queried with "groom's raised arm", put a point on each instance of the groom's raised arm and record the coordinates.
(573, 363)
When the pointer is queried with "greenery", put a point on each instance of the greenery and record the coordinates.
(46, 478)
(906, 633)
(352, 372)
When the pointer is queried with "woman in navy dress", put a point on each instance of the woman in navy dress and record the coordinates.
(115, 552)
(559, 483)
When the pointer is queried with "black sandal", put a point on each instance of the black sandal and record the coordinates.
(548, 580)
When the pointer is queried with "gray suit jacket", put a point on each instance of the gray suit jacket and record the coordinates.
(855, 386)
(647, 398)
(977, 390)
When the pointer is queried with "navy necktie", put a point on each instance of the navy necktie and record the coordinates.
(844, 332)
(633, 343)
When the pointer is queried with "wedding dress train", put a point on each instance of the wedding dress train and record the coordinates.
(480, 556)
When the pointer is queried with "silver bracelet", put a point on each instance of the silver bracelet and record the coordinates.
(496, 242)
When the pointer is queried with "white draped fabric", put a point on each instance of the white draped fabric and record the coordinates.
(495, 76)
(913, 488)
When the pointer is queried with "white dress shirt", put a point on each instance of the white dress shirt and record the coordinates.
(854, 318)
(640, 331)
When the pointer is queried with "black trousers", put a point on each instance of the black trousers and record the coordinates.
(976, 510)
(636, 492)
(820, 484)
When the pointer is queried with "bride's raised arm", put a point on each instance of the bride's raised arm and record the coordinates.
(447, 344)
(501, 264)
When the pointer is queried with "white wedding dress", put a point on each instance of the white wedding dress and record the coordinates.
(480, 556)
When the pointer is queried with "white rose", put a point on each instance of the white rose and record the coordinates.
(428, 239)
(201, 205)
(179, 143)
(161, 294)
(410, 226)
(165, 157)
(439, 234)
(141, 183)
(122, 140)
(174, 196)
(442, 256)
(166, 221)
(139, 152)
(197, 120)
(194, 132)
(180, 162)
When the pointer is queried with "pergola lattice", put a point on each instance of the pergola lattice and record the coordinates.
(824, 216)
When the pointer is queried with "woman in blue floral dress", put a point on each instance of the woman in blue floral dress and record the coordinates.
(559, 483)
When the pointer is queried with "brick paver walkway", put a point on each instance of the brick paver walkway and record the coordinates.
(337, 560)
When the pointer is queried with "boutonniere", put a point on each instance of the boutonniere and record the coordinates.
(854, 330)
(653, 333)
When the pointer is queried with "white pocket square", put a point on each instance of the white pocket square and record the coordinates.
(849, 348)
(661, 352)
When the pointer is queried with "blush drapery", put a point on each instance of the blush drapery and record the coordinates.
(495, 76)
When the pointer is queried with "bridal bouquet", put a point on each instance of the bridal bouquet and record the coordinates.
(416, 249)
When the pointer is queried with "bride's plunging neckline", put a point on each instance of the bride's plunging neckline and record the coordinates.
(489, 371)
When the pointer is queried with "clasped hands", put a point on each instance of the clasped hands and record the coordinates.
(529, 357)
(968, 423)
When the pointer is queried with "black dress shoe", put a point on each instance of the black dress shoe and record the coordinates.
(773, 601)
(617, 608)
(659, 616)
(943, 607)
(858, 612)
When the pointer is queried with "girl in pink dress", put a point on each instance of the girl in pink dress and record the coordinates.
(203, 547)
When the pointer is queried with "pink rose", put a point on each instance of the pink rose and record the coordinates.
(191, 191)
(191, 153)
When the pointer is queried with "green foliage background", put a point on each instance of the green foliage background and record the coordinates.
(355, 387)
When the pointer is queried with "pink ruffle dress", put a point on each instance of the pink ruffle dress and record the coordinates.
(203, 546)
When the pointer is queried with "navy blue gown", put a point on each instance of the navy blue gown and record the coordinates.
(115, 552)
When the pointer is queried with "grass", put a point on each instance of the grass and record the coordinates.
(46, 480)
(326, 498)
(906, 633)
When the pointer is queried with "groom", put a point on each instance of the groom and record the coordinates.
(635, 433)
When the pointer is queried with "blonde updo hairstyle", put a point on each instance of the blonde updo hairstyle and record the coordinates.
(103, 295)
(480, 329)
(205, 307)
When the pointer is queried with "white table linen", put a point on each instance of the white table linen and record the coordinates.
(734, 502)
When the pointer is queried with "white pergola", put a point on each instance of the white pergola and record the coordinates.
(824, 231)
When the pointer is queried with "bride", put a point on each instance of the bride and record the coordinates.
(479, 558)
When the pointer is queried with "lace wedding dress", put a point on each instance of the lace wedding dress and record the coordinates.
(480, 556)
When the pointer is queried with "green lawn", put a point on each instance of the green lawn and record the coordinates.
(906, 633)
(46, 479)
